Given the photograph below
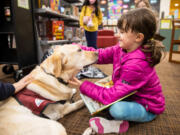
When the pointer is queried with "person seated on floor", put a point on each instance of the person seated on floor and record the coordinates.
(134, 59)
(8, 89)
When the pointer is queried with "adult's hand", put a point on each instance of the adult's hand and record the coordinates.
(23, 82)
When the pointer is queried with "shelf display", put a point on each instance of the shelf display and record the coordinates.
(53, 27)
(113, 9)
(43, 3)
(55, 5)
(50, 4)
(58, 30)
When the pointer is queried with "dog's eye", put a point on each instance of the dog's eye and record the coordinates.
(79, 50)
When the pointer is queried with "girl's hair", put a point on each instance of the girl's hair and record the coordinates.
(146, 2)
(142, 20)
(96, 5)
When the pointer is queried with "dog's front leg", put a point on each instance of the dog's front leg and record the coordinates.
(72, 107)
(57, 111)
(89, 131)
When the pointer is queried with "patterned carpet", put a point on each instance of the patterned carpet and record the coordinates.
(167, 123)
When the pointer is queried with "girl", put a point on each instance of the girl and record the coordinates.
(90, 19)
(142, 3)
(133, 61)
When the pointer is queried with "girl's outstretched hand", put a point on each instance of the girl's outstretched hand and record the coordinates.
(75, 81)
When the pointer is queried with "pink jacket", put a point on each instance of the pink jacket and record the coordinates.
(131, 72)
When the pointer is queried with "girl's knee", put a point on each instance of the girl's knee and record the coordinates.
(118, 111)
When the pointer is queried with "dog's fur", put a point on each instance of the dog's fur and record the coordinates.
(66, 60)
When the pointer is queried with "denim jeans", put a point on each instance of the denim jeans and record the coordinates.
(91, 38)
(130, 111)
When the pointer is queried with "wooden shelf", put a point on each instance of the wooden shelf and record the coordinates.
(54, 14)
(58, 42)
(72, 24)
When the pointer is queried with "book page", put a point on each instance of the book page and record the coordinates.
(91, 104)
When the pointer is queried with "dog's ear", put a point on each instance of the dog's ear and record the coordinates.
(57, 63)
(53, 64)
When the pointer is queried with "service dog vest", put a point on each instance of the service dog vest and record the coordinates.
(34, 101)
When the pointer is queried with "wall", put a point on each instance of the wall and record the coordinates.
(164, 6)
(173, 7)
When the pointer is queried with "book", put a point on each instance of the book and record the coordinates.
(95, 107)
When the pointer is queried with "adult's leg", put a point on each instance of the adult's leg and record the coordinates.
(91, 38)
(130, 111)
(87, 37)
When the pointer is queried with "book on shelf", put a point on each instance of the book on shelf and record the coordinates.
(95, 107)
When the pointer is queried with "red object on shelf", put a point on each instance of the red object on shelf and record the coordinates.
(106, 38)
(58, 30)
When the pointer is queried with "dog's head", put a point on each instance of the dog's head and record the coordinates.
(68, 59)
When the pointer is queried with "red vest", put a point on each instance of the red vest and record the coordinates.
(33, 101)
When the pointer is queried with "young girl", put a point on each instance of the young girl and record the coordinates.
(133, 61)
(90, 19)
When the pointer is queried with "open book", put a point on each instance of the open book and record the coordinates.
(94, 106)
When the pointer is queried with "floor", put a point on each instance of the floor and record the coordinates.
(167, 123)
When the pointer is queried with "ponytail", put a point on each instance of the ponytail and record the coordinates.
(156, 48)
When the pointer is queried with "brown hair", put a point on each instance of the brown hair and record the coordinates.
(96, 5)
(142, 20)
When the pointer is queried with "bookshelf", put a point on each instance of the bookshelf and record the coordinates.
(20, 42)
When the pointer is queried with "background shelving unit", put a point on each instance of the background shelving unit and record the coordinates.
(14, 27)
(19, 38)
(69, 20)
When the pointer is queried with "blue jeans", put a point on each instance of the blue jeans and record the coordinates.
(91, 38)
(130, 111)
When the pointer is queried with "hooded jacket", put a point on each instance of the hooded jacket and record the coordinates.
(131, 72)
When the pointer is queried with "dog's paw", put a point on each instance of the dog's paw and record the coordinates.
(89, 131)
(80, 103)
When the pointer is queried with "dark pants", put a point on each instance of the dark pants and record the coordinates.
(91, 38)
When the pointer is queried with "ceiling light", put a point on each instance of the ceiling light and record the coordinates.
(103, 2)
(176, 4)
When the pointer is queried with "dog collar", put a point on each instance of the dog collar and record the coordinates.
(58, 78)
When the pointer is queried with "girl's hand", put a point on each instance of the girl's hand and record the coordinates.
(75, 81)
(23, 83)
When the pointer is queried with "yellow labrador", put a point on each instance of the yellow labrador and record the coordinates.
(15, 119)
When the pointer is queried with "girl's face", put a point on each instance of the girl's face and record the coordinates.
(141, 5)
(127, 39)
(136, 1)
(92, 1)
